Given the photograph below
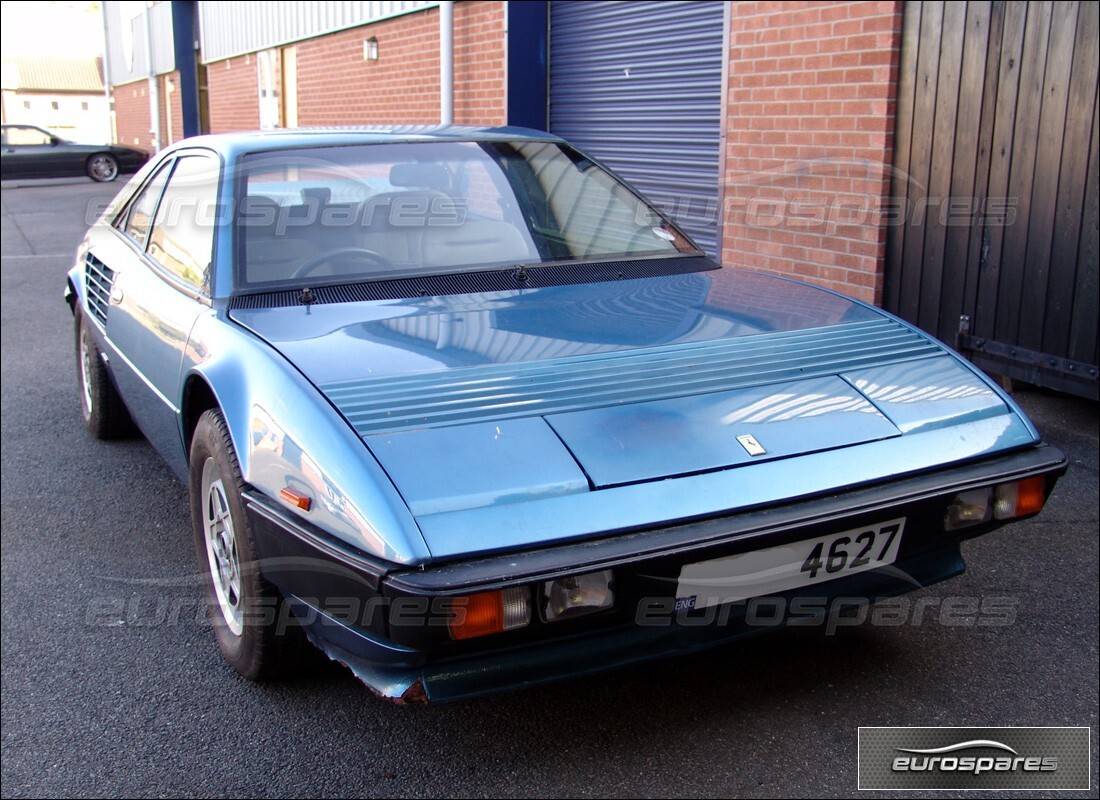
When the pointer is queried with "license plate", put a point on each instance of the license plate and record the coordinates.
(789, 566)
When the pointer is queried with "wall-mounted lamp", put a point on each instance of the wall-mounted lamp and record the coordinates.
(370, 49)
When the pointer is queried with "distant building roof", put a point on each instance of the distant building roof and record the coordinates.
(52, 74)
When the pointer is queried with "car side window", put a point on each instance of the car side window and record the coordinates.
(18, 135)
(182, 240)
(140, 215)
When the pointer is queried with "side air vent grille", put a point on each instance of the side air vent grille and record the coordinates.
(98, 278)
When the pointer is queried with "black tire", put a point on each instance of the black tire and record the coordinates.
(105, 415)
(255, 633)
(102, 167)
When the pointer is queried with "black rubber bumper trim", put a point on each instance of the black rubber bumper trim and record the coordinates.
(735, 532)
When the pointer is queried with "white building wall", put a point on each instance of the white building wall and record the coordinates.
(80, 118)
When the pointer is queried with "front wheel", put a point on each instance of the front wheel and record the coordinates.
(102, 167)
(255, 633)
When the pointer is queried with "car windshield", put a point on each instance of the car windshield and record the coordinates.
(380, 211)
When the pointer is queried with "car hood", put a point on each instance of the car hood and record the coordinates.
(478, 401)
(557, 326)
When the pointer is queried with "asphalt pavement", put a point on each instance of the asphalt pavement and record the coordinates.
(112, 684)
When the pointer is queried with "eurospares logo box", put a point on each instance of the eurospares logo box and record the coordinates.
(974, 758)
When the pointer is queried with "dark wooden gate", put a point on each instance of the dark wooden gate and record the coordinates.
(993, 246)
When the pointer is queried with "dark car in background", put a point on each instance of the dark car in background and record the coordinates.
(33, 152)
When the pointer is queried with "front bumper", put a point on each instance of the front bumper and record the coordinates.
(346, 601)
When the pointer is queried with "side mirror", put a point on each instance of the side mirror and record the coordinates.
(54, 141)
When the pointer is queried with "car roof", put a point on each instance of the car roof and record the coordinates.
(235, 144)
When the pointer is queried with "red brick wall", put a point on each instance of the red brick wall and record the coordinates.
(809, 141)
(479, 64)
(131, 106)
(234, 92)
(337, 87)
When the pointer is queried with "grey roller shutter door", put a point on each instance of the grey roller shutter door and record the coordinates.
(638, 85)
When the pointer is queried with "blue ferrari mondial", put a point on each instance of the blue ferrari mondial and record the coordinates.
(461, 409)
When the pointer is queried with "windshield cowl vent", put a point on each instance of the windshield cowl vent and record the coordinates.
(475, 282)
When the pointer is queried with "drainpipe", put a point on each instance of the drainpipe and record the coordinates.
(111, 122)
(154, 91)
(446, 63)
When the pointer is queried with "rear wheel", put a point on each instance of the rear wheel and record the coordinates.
(102, 167)
(105, 415)
(255, 633)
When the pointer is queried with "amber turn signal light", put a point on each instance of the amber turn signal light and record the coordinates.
(296, 499)
(1018, 499)
(490, 612)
